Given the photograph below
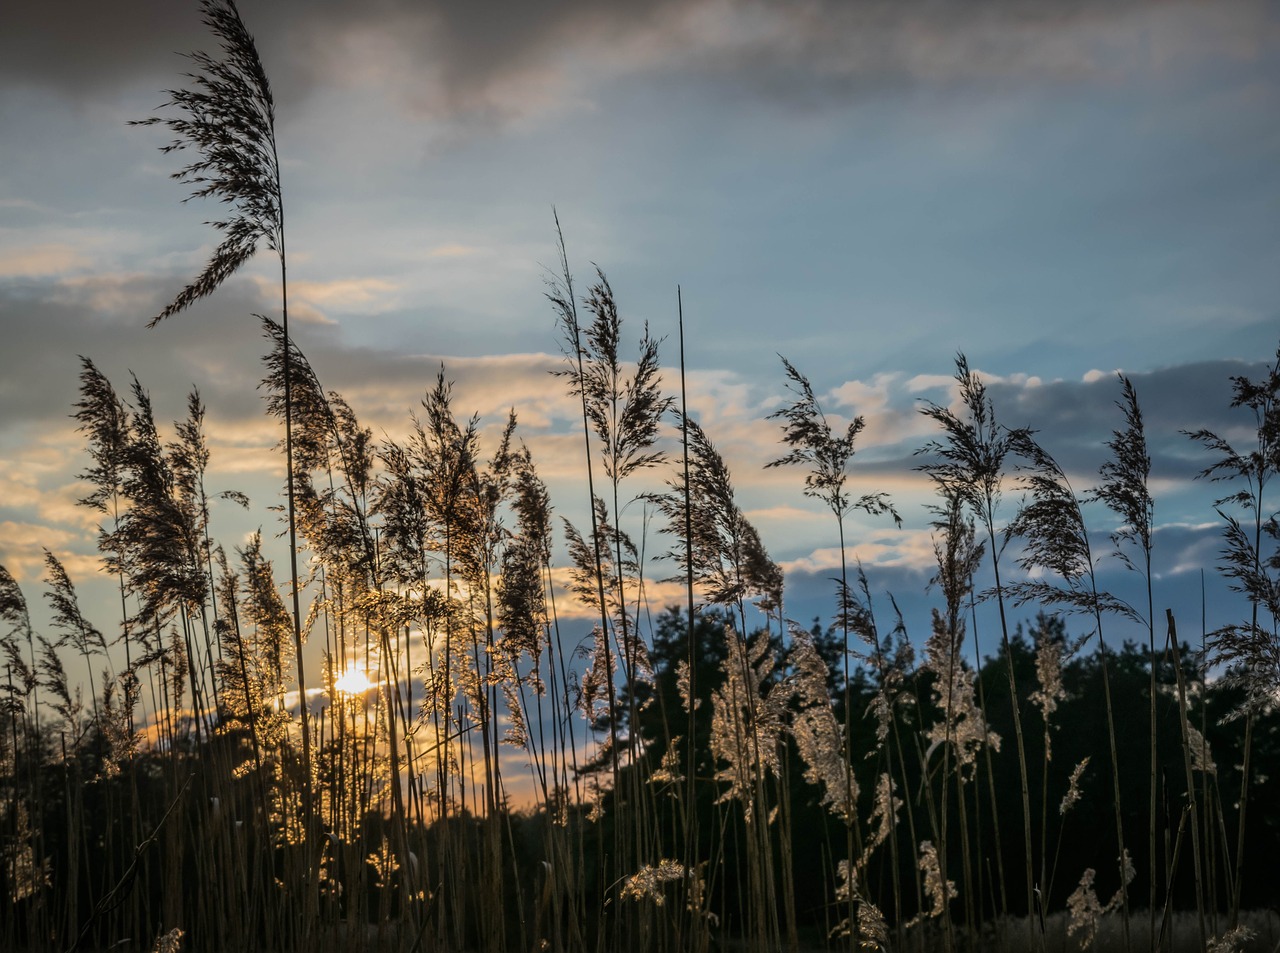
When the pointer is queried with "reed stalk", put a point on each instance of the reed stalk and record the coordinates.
(971, 464)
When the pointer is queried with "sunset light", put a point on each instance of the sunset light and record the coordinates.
(353, 682)
(717, 475)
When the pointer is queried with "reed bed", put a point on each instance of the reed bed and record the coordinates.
(707, 776)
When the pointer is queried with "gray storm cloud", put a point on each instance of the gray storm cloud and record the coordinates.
(446, 59)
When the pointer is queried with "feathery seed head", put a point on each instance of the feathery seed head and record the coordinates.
(228, 117)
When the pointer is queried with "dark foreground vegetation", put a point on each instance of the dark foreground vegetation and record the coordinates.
(120, 844)
(702, 777)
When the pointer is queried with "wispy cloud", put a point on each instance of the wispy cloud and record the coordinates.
(22, 552)
(318, 300)
(39, 261)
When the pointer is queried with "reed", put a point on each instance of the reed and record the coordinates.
(971, 464)
(1051, 524)
(813, 444)
(1250, 649)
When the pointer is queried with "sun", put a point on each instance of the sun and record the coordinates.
(353, 682)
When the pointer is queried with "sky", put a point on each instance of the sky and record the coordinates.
(1060, 191)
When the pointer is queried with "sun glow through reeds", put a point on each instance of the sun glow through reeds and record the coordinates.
(353, 681)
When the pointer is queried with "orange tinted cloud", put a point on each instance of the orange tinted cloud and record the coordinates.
(40, 261)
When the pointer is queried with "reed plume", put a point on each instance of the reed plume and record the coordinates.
(1250, 650)
(227, 117)
(725, 553)
(970, 465)
(1051, 528)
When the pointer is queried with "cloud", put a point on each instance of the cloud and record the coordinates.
(24, 545)
(40, 260)
(48, 323)
(317, 300)
(920, 383)
(1073, 419)
(780, 514)
(84, 45)
(509, 59)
